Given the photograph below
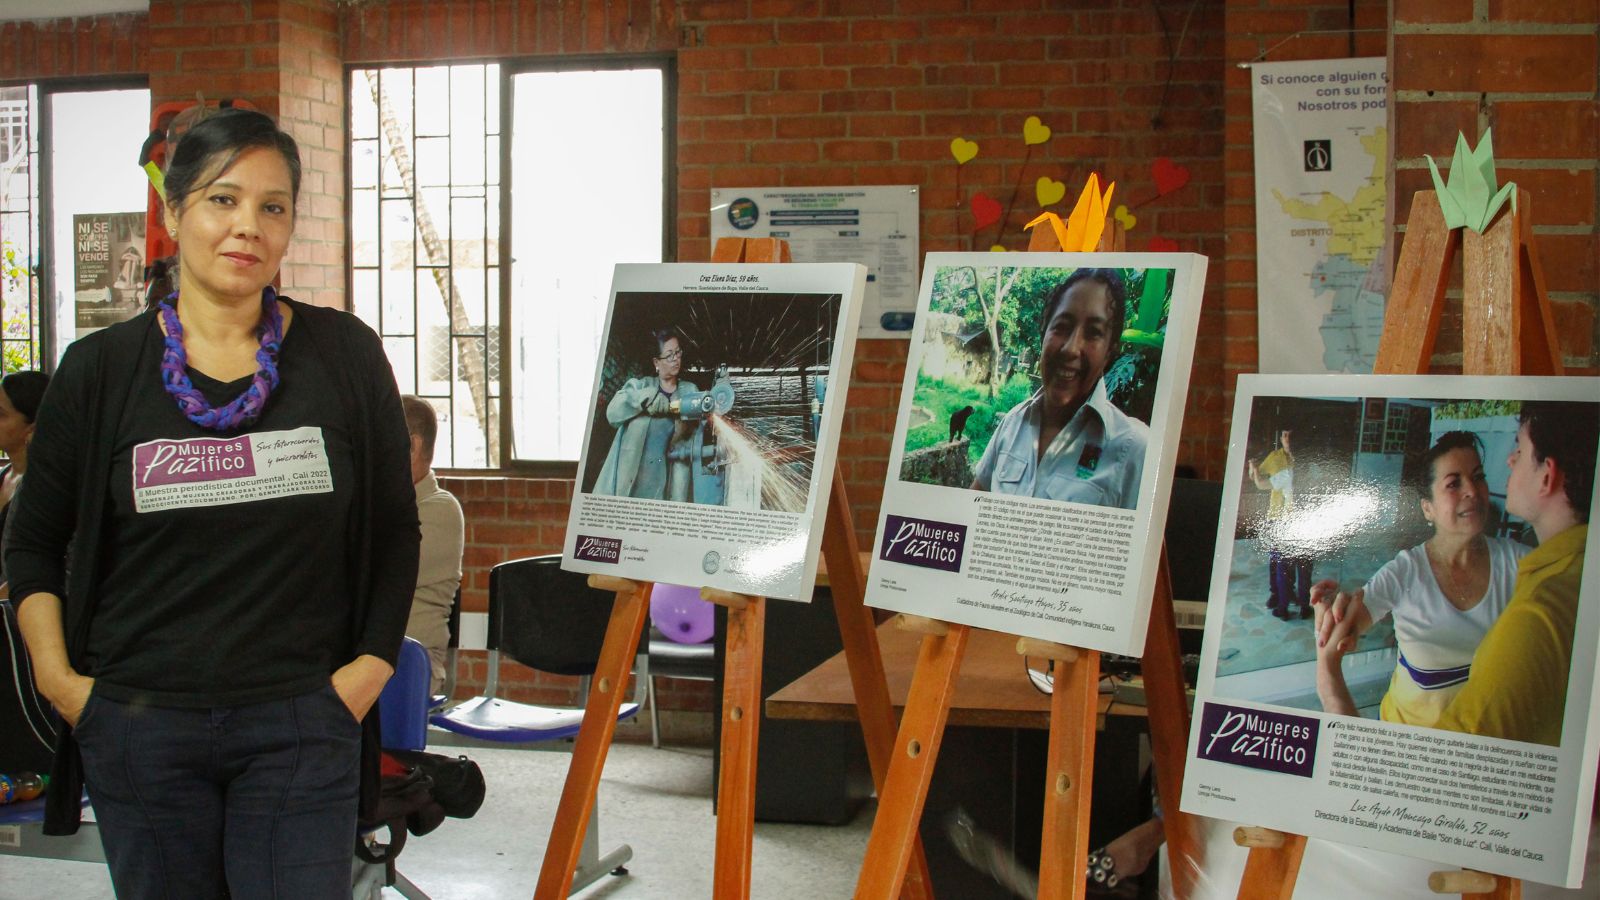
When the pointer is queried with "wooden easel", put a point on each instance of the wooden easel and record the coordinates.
(1508, 329)
(1070, 757)
(741, 698)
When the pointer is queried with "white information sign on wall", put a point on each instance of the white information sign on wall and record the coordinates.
(1321, 153)
(876, 226)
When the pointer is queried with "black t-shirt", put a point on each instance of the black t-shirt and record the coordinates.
(225, 574)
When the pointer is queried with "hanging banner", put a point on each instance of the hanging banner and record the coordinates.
(1321, 155)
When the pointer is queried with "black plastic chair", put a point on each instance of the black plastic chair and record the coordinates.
(548, 619)
(671, 659)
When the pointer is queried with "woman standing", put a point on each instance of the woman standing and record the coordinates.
(231, 472)
(1443, 593)
(641, 460)
(26, 742)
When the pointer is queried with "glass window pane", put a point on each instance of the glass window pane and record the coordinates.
(491, 100)
(433, 161)
(364, 294)
(466, 125)
(433, 155)
(432, 107)
(580, 141)
(402, 358)
(364, 227)
(491, 159)
(364, 164)
(363, 109)
(433, 226)
(95, 192)
(474, 414)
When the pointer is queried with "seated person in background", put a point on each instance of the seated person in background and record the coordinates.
(443, 537)
(1068, 441)
(1518, 686)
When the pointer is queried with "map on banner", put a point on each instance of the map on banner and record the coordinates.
(1321, 155)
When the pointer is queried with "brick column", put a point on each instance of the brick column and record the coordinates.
(283, 57)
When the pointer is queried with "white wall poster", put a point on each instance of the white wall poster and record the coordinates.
(875, 225)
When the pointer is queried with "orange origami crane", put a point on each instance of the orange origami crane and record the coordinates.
(1080, 233)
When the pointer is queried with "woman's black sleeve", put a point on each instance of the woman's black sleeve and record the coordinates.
(396, 534)
(45, 510)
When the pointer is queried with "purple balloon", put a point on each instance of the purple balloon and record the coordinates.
(680, 613)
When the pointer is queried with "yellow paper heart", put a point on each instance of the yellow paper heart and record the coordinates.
(1035, 132)
(1049, 190)
(1127, 219)
(963, 150)
(997, 248)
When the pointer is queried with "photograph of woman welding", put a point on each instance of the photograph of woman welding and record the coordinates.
(712, 399)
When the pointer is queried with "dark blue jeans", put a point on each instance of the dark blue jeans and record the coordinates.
(1291, 581)
(260, 797)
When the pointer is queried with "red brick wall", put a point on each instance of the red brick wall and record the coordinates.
(807, 92)
(1528, 70)
(73, 48)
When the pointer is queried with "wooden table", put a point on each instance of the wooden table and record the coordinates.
(992, 692)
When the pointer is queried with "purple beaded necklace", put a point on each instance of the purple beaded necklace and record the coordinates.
(245, 408)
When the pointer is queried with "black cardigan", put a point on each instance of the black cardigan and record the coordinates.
(62, 504)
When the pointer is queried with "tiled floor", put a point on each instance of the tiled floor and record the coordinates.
(657, 801)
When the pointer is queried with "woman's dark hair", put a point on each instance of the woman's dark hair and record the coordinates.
(216, 142)
(661, 336)
(210, 146)
(1116, 297)
(1567, 432)
(25, 390)
(1421, 479)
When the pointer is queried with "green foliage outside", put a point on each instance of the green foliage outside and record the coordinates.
(942, 399)
(15, 355)
(1477, 409)
(1006, 302)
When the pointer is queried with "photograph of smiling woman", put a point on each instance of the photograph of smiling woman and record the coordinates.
(1068, 441)
(1039, 381)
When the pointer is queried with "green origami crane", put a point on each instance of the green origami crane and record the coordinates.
(1470, 198)
(1146, 327)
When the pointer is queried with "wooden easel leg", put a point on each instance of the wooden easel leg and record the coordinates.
(594, 741)
(1493, 317)
(741, 729)
(1541, 349)
(1069, 779)
(858, 633)
(916, 749)
(1506, 321)
(1270, 872)
(1168, 706)
(1416, 299)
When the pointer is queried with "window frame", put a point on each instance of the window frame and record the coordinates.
(510, 67)
(45, 89)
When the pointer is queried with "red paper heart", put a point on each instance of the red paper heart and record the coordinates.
(1169, 176)
(985, 211)
(1163, 245)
